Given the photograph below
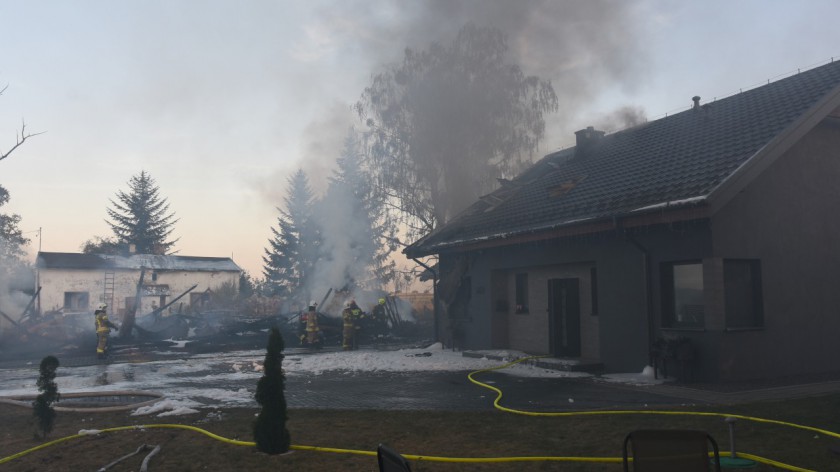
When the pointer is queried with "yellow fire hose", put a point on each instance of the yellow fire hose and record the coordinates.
(469, 459)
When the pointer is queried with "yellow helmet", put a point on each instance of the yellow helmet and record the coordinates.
(381, 301)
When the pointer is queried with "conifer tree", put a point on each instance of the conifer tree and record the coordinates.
(42, 406)
(270, 431)
(141, 217)
(357, 233)
(292, 253)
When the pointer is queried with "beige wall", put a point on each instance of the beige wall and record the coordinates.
(529, 332)
(55, 282)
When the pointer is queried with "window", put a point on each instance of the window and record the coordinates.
(742, 291)
(76, 301)
(682, 295)
(522, 293)
(593, 281)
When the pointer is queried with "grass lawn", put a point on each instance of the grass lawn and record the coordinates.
(433, 433)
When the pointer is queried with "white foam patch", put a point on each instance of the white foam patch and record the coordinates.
(214, 380)
(168, 407)
(89, 432)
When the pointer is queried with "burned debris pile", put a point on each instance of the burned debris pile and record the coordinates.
(214, 328)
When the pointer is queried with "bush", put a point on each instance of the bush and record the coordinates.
(270, 431)
(42, 406)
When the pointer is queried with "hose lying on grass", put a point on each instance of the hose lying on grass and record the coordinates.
(496, 404)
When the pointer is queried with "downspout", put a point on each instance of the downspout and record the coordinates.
(648, 292)
(434, 294)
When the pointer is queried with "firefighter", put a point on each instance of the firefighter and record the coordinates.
(103, 329)
(379, 319)
(359, 322)
(313, 338)
(349, 332)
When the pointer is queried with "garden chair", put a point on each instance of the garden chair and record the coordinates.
(663, 450)
(390, 460)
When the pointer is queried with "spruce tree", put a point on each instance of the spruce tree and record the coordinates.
(289, 260)
(141, 217)
(42, 406)
(270, 431)
(357, 233)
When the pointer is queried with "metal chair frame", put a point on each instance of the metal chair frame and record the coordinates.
(670, 438)
(390, 460)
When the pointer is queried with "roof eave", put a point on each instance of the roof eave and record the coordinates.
(632, 219)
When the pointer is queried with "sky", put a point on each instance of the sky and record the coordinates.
(210, 381)
(221, 101)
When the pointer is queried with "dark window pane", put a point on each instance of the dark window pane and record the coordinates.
(682, 295)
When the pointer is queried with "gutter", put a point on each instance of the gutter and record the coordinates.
(665, 212)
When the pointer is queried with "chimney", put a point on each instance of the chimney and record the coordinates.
(696, 99)
(586, 138)
(132, 248)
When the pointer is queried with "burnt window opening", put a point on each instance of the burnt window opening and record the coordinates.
(743, 294)
(682, 295)
(593, 283)
(521, 293)
(76, 301)
(154, 276)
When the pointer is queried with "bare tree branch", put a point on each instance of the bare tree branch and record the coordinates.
(20, 138)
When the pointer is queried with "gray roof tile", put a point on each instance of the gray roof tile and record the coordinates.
(72, 260)
(679, 158)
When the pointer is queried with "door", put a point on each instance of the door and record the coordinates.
(564, 317)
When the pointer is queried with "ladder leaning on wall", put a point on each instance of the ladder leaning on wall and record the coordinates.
(108, 293)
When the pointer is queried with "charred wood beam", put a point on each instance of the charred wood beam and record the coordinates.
(31, 301)
(4, 315)
(128, 321)
(157, 311)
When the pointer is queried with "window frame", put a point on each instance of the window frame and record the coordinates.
(83, 299)
(669, 318)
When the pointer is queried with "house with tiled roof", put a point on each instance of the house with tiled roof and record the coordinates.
(74, 282)
(718, 226)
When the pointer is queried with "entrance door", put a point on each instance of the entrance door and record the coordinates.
(564, 317)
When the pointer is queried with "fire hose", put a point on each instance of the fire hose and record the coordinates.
(497, 405)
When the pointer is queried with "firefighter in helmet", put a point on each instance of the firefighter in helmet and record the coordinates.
(313, 338)
(103, 329)
(379, 320)
(349, 332)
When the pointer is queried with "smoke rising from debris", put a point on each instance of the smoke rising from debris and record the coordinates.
(14, 280)
(581, 47)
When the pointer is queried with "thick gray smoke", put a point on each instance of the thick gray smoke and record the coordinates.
(581, 47)
(14, 280)
(622, 118)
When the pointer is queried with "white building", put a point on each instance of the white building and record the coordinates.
(73, 282)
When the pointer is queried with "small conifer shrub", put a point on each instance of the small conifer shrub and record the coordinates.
(270, 431)
(42, 406)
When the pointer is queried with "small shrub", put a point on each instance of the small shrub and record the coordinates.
(270, 431)
(42, 406)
